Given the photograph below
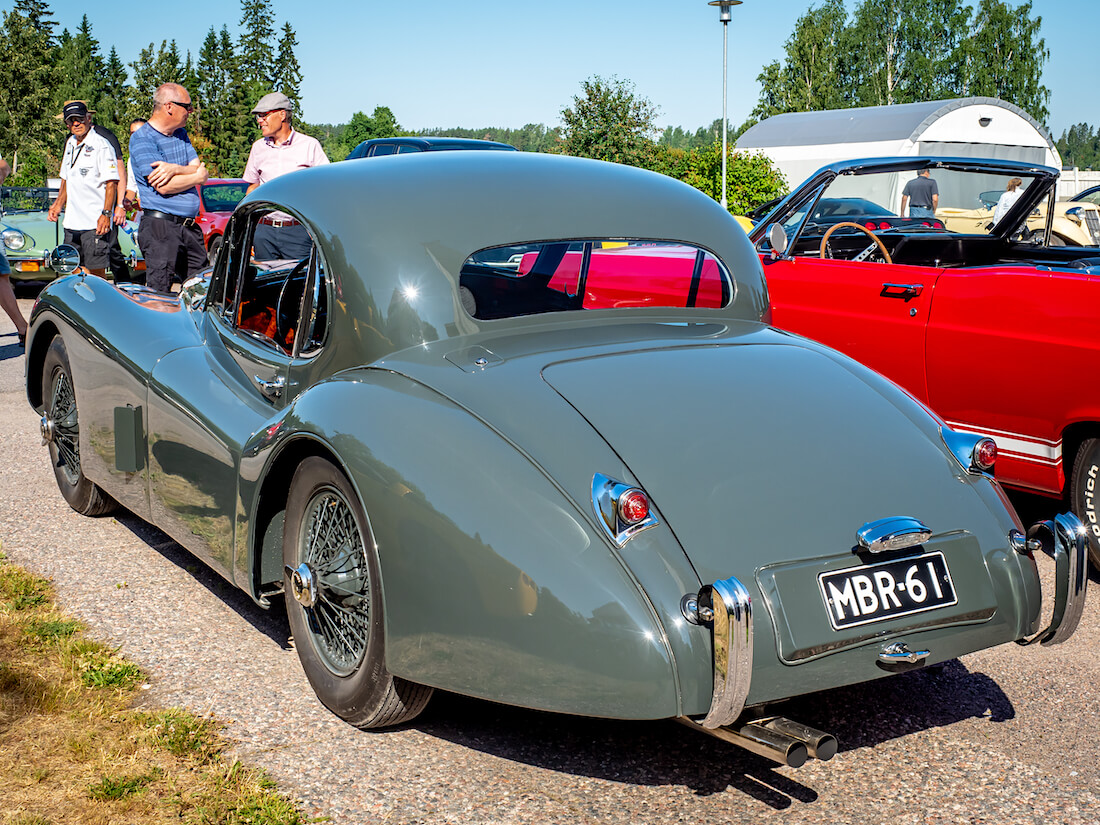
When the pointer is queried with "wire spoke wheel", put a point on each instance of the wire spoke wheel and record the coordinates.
(333, 547)
(66, 427)
(334, 601)
(61, 431)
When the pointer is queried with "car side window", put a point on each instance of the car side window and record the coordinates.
(274, 291)
(382, 149)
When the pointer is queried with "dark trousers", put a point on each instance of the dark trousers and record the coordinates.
(281, 243)
(116, 261)
(171, 250)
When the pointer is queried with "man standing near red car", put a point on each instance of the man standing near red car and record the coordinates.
(282, 149)
(166, 170)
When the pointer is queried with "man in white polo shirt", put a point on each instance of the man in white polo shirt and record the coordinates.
(89, 189)
(281, 149)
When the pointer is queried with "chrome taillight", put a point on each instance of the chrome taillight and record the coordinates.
(985, 454)
(622, 509)
(976, 453)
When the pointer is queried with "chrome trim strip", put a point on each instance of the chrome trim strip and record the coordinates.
(1071, 578)
(1039, 449)
(893, 533)
(732, 608)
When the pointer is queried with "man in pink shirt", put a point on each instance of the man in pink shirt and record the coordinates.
(281, 149)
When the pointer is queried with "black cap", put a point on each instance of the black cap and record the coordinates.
(74, 108)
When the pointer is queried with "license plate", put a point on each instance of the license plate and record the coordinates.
(876, 592)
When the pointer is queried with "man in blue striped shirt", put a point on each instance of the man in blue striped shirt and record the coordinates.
(166, 171)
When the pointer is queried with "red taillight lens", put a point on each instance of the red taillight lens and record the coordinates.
(633, 507)
(926, 224)
(985, 454)
(870, 225)
(883, 225)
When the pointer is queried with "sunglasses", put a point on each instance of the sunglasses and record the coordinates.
(190, 107)
(69, 121)
(266, 115)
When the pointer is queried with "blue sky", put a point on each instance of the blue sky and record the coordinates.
(497, 63)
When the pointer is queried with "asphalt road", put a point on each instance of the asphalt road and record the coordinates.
(1009, 735)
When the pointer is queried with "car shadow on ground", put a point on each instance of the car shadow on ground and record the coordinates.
(665, 753)
(271, 622)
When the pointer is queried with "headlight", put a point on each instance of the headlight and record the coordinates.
(14, 239)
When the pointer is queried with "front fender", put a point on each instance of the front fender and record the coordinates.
(494, 584)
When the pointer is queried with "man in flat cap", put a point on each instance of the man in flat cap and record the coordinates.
(89, 189)
(282, 149)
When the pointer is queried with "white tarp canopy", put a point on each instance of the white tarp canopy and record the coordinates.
(800, 143)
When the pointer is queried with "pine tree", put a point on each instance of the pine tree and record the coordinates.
(287, 74)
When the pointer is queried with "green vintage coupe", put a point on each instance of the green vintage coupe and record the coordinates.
(472, 462)
(29, 235)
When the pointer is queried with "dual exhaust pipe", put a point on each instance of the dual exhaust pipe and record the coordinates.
(777, 738)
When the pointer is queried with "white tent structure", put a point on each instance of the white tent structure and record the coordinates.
(800, 143)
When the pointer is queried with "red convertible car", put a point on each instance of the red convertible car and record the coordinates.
(995, 330)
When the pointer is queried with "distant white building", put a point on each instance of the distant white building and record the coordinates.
(800, 143)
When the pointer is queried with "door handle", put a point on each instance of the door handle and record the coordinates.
(904, 291)
(271, 389)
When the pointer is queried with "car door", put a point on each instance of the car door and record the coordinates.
(205, 402)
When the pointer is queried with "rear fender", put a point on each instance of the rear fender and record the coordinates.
(494, 584)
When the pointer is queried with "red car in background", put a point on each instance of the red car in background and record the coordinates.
(997, 334)
(218, 197)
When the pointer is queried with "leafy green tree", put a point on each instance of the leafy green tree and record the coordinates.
(609, 122)
(29, 138)
(813, 74)
(1005, 55)
(903, 51)
(1080, 146)
(380, 124)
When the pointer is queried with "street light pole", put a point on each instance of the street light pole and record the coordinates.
(724, 15)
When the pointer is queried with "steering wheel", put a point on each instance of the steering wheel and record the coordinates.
(286, 313)
(825, 252)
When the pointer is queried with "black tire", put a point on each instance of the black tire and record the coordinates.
(1084, 493)
(334, 602)
(212, 252)
(61, 428)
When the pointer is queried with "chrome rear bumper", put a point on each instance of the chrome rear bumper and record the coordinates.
(1069, 543)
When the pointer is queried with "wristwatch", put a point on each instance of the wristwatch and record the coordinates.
(107, 212)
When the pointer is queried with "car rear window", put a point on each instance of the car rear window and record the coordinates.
(558, 276)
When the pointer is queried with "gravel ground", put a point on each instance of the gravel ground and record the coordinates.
(1009, 735)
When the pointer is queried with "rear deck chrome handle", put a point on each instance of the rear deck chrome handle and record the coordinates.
(900, 652)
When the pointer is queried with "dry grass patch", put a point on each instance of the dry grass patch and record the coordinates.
(73, 749)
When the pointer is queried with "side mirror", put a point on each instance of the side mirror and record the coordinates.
(777, 237)
(63, 260)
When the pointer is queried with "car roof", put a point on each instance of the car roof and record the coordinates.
(428, 144)
(397, 233)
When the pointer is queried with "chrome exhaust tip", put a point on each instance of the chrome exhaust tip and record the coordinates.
(776, 738)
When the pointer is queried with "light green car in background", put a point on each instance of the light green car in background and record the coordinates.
(29, 234)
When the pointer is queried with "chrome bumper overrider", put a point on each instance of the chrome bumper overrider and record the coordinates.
(727, 606)
(1069, 543)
